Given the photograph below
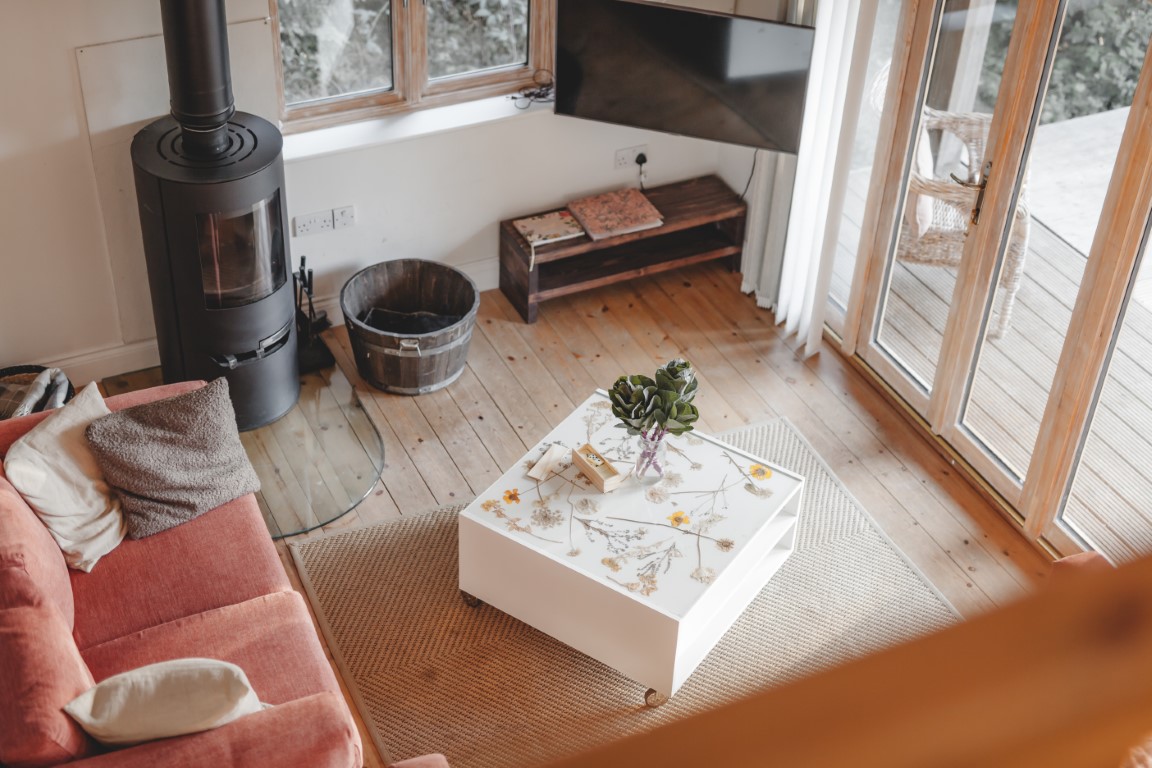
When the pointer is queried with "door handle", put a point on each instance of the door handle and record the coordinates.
(977, 185)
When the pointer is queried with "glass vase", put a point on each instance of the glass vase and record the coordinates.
(650, 460)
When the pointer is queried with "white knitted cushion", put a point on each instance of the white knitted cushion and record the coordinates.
(174, 459)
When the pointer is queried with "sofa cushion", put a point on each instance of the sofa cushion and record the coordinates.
(225, 556)
(56, 472)
(174, 459)
(271, 638)
(24, 539)
(40, 671)
(165, 699)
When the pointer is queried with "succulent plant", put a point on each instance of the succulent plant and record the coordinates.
(656, 407)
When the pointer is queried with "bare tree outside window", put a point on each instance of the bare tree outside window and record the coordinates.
(333, 48)
(474, 35)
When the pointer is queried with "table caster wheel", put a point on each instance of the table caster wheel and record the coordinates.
(470, 600)
(654, 698)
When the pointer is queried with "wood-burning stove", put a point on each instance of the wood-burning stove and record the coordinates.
(210, 188)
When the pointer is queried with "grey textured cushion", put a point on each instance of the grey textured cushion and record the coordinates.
(174, 459)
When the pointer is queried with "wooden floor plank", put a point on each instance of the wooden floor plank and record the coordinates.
(404, 483)
(518, 356)
(888, 494)
(280, 497)
(550, 349)
(567, 323)
(428, 455)
(460, 441)
(309, 463)
(497, 435)
(741, 403)
(506, 390)
(636, 352)
(894, 470)
(947, 529)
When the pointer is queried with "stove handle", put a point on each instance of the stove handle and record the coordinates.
(265, 348)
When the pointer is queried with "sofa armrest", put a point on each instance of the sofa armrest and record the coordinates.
(12, 430)
(151, 395)
(313, 732)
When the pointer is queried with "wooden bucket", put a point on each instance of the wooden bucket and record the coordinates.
(410, 363)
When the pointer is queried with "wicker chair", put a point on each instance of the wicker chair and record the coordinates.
(940, 242)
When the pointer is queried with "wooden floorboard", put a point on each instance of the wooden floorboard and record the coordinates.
(520, 377)
(816, 400)
(750, 373)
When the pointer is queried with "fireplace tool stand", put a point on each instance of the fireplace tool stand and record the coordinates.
(312, 352)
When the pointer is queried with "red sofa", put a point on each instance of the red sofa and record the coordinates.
(213, 587)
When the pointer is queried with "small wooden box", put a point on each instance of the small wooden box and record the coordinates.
(596, 468)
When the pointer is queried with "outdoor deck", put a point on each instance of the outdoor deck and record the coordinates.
(1111, 498)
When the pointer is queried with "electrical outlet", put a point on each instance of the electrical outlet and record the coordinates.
(626, 158)
(345, 217)
(311, 223)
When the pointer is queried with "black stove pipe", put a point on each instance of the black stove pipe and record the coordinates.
(199, 79)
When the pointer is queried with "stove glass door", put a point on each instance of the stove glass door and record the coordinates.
(242, 256)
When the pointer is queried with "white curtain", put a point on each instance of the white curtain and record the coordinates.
(800, 229)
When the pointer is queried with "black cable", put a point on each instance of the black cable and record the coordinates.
(542, 90)
(641, 159)
(751, 173)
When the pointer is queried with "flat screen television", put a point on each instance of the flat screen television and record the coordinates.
(682, 71)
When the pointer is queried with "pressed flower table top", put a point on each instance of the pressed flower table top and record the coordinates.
(645, 578)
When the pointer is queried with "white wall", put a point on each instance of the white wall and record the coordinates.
(439, 196)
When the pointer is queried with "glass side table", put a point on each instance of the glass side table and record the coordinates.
(317, 462)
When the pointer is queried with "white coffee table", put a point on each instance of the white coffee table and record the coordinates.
(645, 579)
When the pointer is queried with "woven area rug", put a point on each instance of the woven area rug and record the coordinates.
(432, 675)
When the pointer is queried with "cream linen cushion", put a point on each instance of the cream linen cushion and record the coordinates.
(54, 469)
(170, 698)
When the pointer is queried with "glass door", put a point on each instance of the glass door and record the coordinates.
(943, 96)
(1011, 130)
(1070, 157)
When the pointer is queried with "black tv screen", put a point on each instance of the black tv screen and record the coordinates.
(681, 71)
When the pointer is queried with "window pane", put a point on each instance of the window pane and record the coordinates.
(473, 35)
(954, 120)
(334, 48)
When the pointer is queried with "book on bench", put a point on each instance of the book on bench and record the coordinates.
(619, 212)
(546, 228)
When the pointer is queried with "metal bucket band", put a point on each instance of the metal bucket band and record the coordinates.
(416, 351)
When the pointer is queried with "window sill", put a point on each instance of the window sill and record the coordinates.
(409, 125)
